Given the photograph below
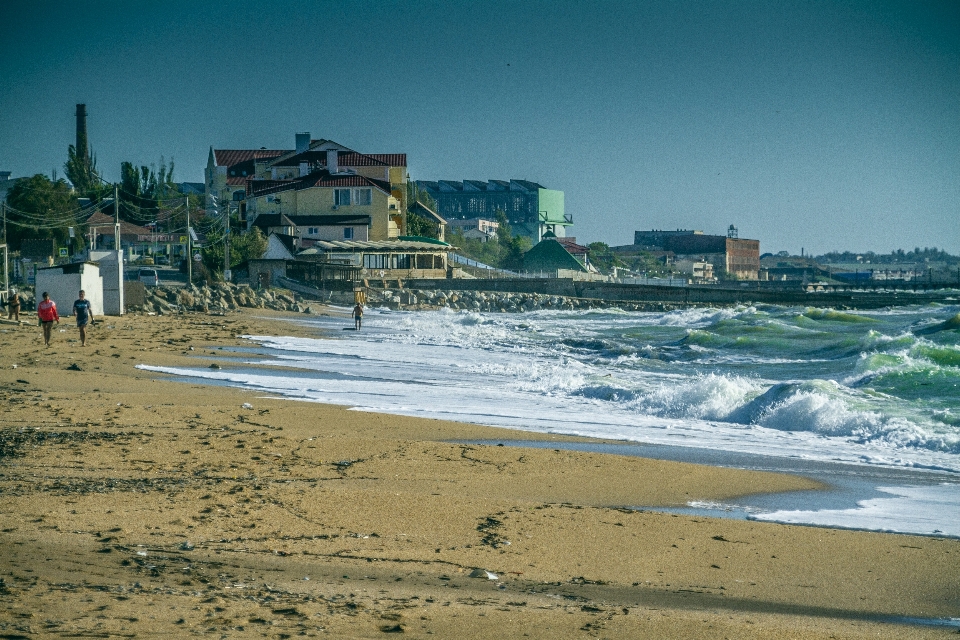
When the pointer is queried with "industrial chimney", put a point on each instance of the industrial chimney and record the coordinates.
(81, 131)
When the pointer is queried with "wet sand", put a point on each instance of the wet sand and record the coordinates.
(135, 505)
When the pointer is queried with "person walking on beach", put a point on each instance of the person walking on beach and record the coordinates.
(13, 306)
(357, 316)
(84, 313)
(47, 311)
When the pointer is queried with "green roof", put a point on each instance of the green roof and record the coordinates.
(550, 255)
(423, 239)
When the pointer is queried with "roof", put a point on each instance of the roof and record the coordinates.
(231, 157)
(425, 211)
(345, 159)
(323, 179)
(349, 246)
(550, 256)
(456, 186)
(571, 246)
(100, 219)
(268, 220)
(422, 239)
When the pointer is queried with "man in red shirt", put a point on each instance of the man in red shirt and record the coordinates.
(47, 311)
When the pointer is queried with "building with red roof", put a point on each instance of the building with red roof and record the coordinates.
(316, 178)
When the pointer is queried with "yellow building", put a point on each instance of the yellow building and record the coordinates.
(318, 177)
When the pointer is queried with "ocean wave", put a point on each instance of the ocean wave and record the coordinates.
(703, 397)
(827, 408)
(836, 316)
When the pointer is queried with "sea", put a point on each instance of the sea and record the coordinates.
(867, 402)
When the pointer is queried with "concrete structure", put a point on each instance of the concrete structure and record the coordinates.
(280, 247)
(656, 239)
(476, 228)
(111, 273)
(64, 282)
(696, 269)
(731, 256)
(531, 209)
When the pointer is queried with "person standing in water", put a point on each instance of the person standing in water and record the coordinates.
(47, 312)
(357, 316)
(84, 313)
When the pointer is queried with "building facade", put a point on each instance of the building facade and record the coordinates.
(317, 177)
(531, 209)
(735, 257)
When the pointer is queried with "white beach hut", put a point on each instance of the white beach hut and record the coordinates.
(64, 283)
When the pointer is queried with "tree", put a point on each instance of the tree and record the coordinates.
(603, 258)
(143, 188)
(512, 247)
(243, 247)
(417, 225)
(41, 208)
(82, 173)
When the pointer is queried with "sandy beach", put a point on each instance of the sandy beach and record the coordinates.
(132, 504)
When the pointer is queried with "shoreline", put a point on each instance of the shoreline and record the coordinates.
(114, 482)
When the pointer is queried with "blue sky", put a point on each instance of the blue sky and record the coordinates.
(819, 125)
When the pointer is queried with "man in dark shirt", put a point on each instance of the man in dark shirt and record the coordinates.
(84, 313)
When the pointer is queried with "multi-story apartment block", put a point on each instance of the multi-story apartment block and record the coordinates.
(531, 209)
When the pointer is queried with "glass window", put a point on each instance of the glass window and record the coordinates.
(363, 196)
(341, 197)
(374, 260)
(348, 233)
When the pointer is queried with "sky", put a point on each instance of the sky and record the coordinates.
(817, 125)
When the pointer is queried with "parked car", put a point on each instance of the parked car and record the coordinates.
(161, 260)
(149, 277)
(145, 260)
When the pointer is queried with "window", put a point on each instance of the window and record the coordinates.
(341, 197)
(363, 196)
(313, 230)
(348, 233)
(374, 260)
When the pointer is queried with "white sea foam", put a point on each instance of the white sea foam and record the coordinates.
(928, 510)
(627, 376)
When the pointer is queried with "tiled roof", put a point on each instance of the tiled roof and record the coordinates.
(237, 181)
(345, 159)
(315, 179)
(100, 219)
(571, 246)
(268, 220)
(324, 179)
(372, 159)
(231, 157)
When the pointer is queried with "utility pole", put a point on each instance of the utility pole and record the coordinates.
(116, 225)
(226, 245)
(186, 199)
